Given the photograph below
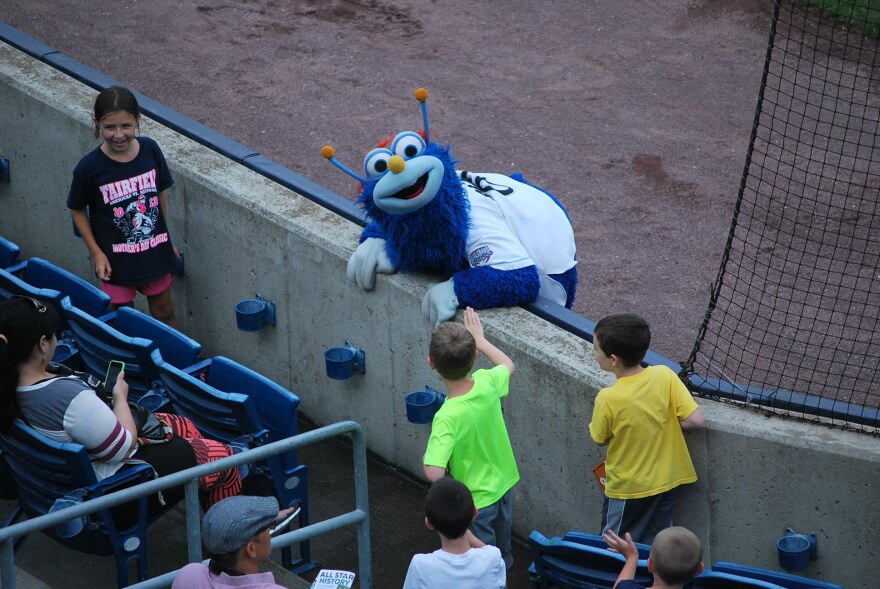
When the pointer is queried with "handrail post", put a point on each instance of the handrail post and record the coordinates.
(7, 564)
(362, 502)
(193, 526)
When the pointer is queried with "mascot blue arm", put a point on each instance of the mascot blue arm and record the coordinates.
(420, 221)
(372, 230)
(485, 287)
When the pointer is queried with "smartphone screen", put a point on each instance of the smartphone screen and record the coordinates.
(113, 370)
(284, 523)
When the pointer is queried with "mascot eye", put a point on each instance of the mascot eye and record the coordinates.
(408, 145)
(376, 163)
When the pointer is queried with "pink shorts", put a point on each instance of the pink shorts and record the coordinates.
(122, 295)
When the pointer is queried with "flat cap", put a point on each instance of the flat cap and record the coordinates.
(229, 524)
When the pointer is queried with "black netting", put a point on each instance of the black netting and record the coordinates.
(793, 318)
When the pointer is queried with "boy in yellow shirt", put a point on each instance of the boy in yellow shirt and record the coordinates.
(640, 418)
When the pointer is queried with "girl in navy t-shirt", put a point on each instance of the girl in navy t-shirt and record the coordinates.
(118, 204)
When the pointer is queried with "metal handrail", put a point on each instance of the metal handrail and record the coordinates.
(189, 477)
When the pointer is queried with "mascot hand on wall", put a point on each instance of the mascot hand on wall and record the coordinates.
(500, 240)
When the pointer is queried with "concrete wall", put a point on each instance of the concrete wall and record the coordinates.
(243, 234)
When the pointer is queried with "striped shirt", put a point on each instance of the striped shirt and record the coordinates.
(65, 409)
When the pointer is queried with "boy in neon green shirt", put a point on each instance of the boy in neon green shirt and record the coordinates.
(468, 434)
(640, 418)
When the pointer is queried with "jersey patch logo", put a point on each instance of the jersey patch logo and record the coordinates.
(480, 256)
(137, 221)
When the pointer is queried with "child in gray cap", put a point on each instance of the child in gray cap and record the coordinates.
(235, 533)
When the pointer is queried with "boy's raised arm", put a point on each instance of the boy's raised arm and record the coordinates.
(495, 356)
(627, 548)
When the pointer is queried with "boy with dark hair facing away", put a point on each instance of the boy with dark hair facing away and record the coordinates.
(463, 561)
(640, 418)
(676, 558)
(468, 434)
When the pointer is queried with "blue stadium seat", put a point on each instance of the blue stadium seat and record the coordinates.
(234, 403)
(219, 415)
(572, 565)
(131, 339)
(42, 274)
(99, 343)
(714, 580)
(597, 541)
(44, 470)
(178, 349)
(7, 488)
(8, 252)
(9, 493)
(11, 285)
(782, 579)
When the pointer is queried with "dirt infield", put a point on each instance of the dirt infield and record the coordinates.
(636, 115)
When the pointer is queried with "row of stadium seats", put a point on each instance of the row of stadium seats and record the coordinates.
(226, 401)
(582, 561)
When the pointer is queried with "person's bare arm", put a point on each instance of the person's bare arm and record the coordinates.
(693, 421)
(102, 264)
(495, 356)
(628, 549)
(473, 541)
(163, 204)
(121, 409)
(433, 473)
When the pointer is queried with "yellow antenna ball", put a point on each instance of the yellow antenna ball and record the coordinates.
(421, 94)
(328, 152)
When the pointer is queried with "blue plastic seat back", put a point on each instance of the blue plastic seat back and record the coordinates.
(276, 406)
(782, 579)
(11, 285)
(8, 252)
(218, 415)
(7, 486)
(44, 469)
(100, 343)
(570, 565)
(596, 541)
(235, 401)
(710, 579)
(276, 409)
(177, 349)
(84, 295)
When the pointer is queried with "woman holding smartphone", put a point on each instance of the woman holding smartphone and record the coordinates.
(67, 409)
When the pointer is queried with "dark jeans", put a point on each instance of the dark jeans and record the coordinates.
(642, 518)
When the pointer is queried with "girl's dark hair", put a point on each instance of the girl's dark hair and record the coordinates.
(23, 321)
(115, 99)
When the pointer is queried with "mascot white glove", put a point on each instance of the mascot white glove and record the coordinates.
(368, 259)
(440, 303)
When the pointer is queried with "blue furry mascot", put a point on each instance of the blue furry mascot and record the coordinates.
(501, 240)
